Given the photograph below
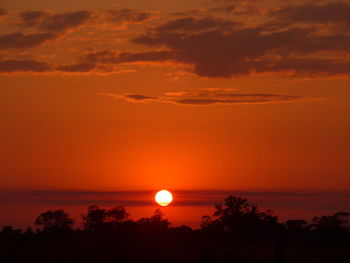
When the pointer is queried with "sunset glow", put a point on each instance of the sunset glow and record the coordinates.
(104, 101)
(241, 108)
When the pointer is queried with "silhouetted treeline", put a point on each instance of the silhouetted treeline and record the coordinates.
(236, 232)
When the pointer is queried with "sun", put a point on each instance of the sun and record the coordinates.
(164, 197)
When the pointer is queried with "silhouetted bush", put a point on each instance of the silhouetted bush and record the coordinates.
(99, 218)
(331, 228)
(56, 220)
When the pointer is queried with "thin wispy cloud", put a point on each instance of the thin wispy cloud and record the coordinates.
(206, 97)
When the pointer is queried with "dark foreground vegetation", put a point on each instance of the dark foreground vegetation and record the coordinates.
(237, 232)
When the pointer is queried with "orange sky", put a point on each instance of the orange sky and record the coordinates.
(133, 95)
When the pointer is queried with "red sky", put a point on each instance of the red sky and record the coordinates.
(189, 95)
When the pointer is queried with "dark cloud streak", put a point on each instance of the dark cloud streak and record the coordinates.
(292, 199)
(24, 65)
(3, 12)
(311, 13)
(191, 24)
(230, 51)
(77, 67)
(207, 98)
(126, 15)
(19, 40)
(47, 22)
(305, 40)
(102, 60)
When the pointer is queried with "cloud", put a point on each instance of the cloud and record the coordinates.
(47, 22)
(146, 56)
(308, 39)
(33, 18)
(126, 15)
(311, 13)
(77, 67)
(110, 57)
(217, 51)
(332, 200)
(103, 56)
(3, 12)
(225, 8)
(206, 97)
(106, 61)
(89, 62)
(312, 67)
(191, 24)
(19, 40)
(138, 97)
(133, 97)
(50, 25)
(25, 65)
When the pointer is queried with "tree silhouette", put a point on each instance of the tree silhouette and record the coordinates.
(156, 223)
(338, 221)
(296, 225)
(94, 219)
(98, 218)
(116, 215)
(237, 232)
(54, 220)
(240, 217)
(212, 226)
(332, 228)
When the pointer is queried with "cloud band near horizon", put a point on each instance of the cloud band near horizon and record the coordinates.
(275, 199)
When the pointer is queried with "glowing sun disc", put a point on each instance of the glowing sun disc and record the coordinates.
(164, 198)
